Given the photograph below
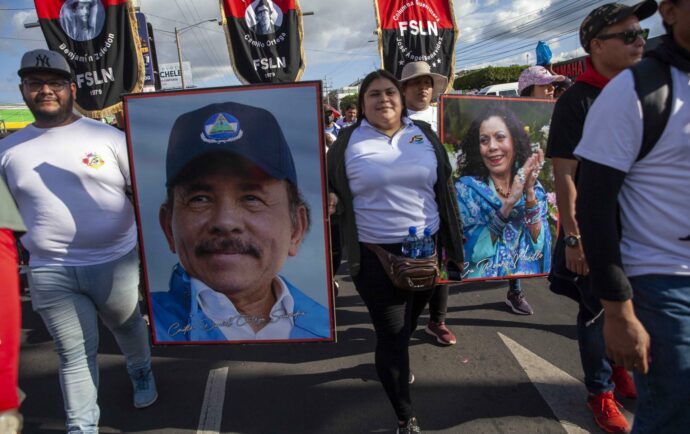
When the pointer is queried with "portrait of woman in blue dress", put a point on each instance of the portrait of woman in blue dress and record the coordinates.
(502, 204)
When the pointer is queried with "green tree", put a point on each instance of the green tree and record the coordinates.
(346, 101)
(487, 76)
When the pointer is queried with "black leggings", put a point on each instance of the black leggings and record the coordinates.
(438, 305)
(394, 314)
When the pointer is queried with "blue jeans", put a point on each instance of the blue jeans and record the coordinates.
(590, 339)
(69, 300)
(662, 304)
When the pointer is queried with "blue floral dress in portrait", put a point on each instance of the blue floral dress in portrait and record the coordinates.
(513, 252)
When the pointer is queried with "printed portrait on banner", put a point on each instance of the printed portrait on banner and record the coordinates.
(230, 198)
(505, 187)
(82, 20)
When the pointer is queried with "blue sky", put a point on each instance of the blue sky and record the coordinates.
(336, 38)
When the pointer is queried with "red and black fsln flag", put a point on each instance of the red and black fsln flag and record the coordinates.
(414, 30)
(264, 39)
(96, 38)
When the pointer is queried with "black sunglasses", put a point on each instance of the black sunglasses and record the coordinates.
(628, 37)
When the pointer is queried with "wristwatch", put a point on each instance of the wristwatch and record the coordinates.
(572, 240)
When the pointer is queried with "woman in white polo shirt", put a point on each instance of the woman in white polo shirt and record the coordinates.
(388, 173)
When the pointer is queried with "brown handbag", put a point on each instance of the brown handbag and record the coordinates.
(410, 274)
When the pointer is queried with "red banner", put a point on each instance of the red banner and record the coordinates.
(99, 40)
(414, 30)
(264, 39)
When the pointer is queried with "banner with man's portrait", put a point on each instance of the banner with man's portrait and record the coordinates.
(419, 30)
(505, 187)
(264, 39)
(229, 192)
(100, 42)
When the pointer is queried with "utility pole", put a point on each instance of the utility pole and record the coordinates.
(179, 49)
(179, 55)
(327, 90)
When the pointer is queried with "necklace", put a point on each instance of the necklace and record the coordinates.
(502, 193)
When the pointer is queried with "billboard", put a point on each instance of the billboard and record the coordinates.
(170, 77)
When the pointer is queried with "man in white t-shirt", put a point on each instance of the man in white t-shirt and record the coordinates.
(642, 276)
(420, 87)
(69, 176)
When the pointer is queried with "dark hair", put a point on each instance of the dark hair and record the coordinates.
(351, 106)
(527, 91)
(470, 162)
(379, 73)
(215, 161)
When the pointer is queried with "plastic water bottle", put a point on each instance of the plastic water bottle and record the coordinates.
(411, 245)
(428, 245)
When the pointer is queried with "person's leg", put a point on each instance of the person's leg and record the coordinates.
(596, 366)
(515, 298)
(10, 322)
(113, 288)
(336, 253)
(598, 370)
(71, 320)
(662, 304)
(438, 307)
(388, 309)
(438, 304)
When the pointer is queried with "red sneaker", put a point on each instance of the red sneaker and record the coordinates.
(606, 413)
(625, 386)
(440, 332)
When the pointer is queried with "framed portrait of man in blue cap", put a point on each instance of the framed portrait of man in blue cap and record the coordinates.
(229, 190)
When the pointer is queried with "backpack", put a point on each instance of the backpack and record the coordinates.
(654, 86)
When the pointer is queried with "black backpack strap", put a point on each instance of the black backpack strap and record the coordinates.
(653, 84)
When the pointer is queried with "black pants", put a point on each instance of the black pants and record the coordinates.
(438, 304)
(394, 314)
(336, 249)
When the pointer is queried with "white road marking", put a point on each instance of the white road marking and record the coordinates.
(564, 393)
(212, 408)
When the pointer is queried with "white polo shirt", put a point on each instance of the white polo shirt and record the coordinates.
(392, 182)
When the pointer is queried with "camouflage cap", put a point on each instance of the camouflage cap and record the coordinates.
(610, 14)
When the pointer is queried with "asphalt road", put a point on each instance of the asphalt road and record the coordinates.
(507, 374)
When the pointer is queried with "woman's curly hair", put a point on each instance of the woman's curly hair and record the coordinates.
(470, 161)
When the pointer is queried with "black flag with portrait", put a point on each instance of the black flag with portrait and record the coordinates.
(99, 40)
(265, 39)
(419, 30)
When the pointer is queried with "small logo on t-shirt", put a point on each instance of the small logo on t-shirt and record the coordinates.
(93, 160)
(417, 139)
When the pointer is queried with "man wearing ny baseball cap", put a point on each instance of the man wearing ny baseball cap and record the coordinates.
(69, 176)
(614, 39)
(233, 215)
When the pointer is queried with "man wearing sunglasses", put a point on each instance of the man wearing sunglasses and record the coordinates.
(69, 176)
(612, 36)
(640, 185)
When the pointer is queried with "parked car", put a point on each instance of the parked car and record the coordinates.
(504, 89)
